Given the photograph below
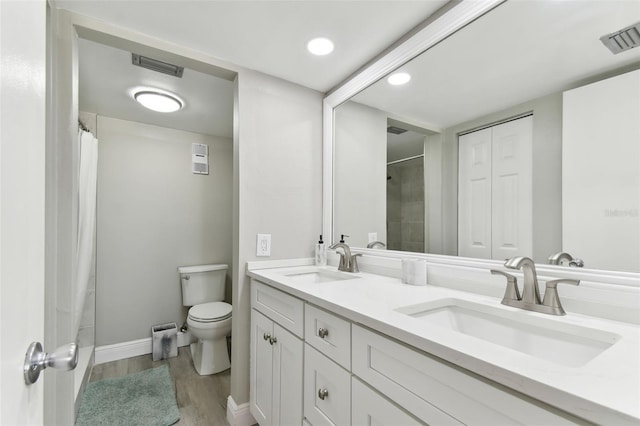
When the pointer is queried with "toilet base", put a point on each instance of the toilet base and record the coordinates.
(210, 356)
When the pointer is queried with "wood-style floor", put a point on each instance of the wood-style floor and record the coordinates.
(202, 400)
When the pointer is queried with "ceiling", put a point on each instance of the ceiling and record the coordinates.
(107, 77)
(519, 51)
(270, 36)
(267, 36)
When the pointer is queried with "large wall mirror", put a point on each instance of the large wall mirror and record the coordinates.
(518, 134)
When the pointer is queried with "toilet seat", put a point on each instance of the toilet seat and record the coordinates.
(210, 312)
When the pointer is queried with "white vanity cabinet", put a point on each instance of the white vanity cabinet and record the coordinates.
(276, 357)
(312, 367)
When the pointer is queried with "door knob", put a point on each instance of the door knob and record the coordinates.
(36, 360)
(323, 393)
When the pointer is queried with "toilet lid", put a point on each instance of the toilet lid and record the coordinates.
(209, 312)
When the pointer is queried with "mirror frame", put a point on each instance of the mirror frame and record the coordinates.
(446, 21)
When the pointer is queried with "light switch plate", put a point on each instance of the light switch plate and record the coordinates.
(263, 245)
(373, 236)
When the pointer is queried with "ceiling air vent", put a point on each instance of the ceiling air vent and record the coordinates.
(395, 130)
(156, 65)
(622, 40)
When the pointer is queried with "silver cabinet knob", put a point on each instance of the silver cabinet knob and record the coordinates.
(323, 332)
(266, 336)
(36, 360)
(323, 393)
(273, 340)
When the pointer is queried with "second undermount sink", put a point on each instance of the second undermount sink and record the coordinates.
(562, 343)
(318, 275)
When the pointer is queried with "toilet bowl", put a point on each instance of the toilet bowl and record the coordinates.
(210, 323)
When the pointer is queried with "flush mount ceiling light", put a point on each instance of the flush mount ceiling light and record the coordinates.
(320, 46)
(399, 78)
(157, 100)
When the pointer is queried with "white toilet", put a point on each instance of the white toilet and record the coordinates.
(209, 318)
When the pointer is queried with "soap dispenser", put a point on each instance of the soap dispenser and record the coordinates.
(321, 253)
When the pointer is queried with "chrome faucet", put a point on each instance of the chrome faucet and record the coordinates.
(557, 258)
(348, 261)
(530, 299)
(530, 291)
(374, 244)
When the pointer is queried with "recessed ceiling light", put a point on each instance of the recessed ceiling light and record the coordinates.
(320, 46)
(399, 78)
(157, 100)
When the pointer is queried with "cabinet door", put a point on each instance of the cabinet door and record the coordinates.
(261, 369)
(474, 194)
(327, 390)
(287, 377)
(370, 408)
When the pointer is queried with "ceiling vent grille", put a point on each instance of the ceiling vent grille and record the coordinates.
(622, 40)
(156, 65)
(395, 130)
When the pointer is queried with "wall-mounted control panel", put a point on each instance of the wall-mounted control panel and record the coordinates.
(200, 158)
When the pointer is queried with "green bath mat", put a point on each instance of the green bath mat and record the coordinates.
(144, 398)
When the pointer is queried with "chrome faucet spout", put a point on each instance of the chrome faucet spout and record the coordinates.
(348, 262)
(557, 258)
(530, 299)
(530, 291)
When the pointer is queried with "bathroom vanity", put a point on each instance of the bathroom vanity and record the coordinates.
(330, 347)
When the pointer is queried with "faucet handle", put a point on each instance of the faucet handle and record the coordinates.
(354, 262)
(576, 263)
(512, 292)
(551, 298)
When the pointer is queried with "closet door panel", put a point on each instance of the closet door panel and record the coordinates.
(512, 195)
(474, 195)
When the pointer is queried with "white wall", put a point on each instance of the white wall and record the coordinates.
(360, 173)
(153, 216)
(601, 173)
(278, 179)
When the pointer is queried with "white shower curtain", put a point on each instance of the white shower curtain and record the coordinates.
(87, 183)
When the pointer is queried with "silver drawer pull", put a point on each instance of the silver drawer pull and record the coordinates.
(323, 332)
(266, 336)
(323, 393)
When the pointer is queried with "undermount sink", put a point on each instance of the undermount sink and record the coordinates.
(565, 344)
(318, 275)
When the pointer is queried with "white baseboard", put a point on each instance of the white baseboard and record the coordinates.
(239, 415)
(132, 348)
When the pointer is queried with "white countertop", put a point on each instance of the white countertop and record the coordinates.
(605, 390)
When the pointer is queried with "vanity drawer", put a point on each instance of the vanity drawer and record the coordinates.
(368, 407)
(329, 334)
(327, 390)
(280, 307)
(439, 393)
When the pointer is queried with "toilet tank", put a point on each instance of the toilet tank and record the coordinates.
(202, 283)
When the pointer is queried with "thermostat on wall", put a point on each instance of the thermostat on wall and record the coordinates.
(200, 158)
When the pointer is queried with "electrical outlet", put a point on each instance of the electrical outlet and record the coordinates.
(263, 245)
(373, 236)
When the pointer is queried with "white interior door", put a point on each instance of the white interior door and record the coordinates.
(495, 191)
(22, 203)
(33, 200)
(512, 190)
(474, 194)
